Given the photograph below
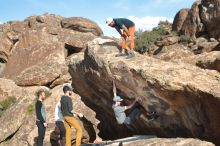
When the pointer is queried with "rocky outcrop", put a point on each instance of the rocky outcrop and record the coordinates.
(167, 40)
(148, 141)
(180, 19)
(186, 97)
(173, 52)
(81, 25)
(21, 128)
(209, 60)
(192, 26)
(35, 49)
(14, 117)
(210, 12)
(8, 88)
(202, 18)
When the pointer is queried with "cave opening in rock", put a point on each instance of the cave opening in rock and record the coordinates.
(71, 50)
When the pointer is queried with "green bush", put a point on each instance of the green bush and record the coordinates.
(144, 39)
(31, 107)
(7, 102)
(184, 39)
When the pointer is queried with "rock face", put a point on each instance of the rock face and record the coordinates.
(163, 141)
(186, 97)
(202, 18)
(209, 60)
(180, 19)
(35, 49)
(210, 13)
(8, 88)
(81, 25)
(22, 127)
(167, 40)
(173, 52)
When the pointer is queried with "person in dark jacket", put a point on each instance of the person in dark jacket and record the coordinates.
(40, 117)
(69, 116)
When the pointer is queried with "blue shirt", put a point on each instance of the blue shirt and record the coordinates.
(122, 21)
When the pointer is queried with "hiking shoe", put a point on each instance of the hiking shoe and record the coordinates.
(120, 54)
(130, 55)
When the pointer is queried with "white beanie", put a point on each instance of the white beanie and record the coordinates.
(109, 20)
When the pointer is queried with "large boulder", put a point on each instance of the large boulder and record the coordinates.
(37, 59)
(173, 52)
(210, 60)
(20, 128)
(167, 40)
(46, 21)
(75, 41)
(82, 25)
(148, 141)
(210, 14)
(8, 88)
(35, 49)
(186, 97)
(202, 18)
(179, 19)
(15, 116)
(5, 47)
(192, 26)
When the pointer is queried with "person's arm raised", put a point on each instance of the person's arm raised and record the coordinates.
(114, 89)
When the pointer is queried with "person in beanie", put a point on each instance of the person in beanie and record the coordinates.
(68, 114)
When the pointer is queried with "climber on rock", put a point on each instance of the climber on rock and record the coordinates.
(128, 28)
(133, 113)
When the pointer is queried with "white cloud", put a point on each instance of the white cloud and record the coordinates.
(148, 22)
(142, 23)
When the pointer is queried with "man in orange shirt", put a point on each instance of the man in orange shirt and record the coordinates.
(128, 28)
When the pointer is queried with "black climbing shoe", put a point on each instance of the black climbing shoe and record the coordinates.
(152, 116)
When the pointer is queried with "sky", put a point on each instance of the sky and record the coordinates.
(145, 13)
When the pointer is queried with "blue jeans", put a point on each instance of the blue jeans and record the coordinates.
(132, 115)
(41, 133)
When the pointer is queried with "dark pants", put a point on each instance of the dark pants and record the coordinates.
(62, 129)
(41, 133)
(134, 112)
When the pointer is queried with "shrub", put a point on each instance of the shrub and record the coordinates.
(184, 39)
(7, 102)
(144, 39)
(31, 107)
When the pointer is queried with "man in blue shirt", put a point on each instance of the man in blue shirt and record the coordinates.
(128, 28)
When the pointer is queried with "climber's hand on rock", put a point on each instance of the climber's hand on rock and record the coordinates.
(138, 98)
(80, 115)
(117, 77)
